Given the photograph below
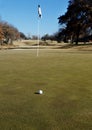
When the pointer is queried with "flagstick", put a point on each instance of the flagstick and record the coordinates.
(40, 15)
(38, 40)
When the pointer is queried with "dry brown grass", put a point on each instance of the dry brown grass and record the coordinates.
(28, 44)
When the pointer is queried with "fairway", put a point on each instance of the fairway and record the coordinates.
(65, 76)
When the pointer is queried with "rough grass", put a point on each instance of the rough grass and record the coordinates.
(66, 80)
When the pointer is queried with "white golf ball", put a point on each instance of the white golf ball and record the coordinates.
(40, 92)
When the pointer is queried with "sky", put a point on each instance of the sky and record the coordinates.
(23, 14)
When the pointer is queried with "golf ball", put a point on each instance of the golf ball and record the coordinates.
(40, 92)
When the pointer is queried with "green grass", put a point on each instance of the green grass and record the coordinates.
(66, 80)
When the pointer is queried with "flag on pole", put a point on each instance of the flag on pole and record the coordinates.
(39, 11)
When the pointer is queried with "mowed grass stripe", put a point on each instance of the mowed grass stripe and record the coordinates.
(65, 78)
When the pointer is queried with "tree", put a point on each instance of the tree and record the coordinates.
(34, 37)
(10, 32)
(1, 32)
(22, 36)
(45, 37)
(77, 19)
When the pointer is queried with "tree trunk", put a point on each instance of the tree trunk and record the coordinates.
(77, 34)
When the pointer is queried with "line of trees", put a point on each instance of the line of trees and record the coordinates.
(9, 33)
(52, 37)
(76, 23)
